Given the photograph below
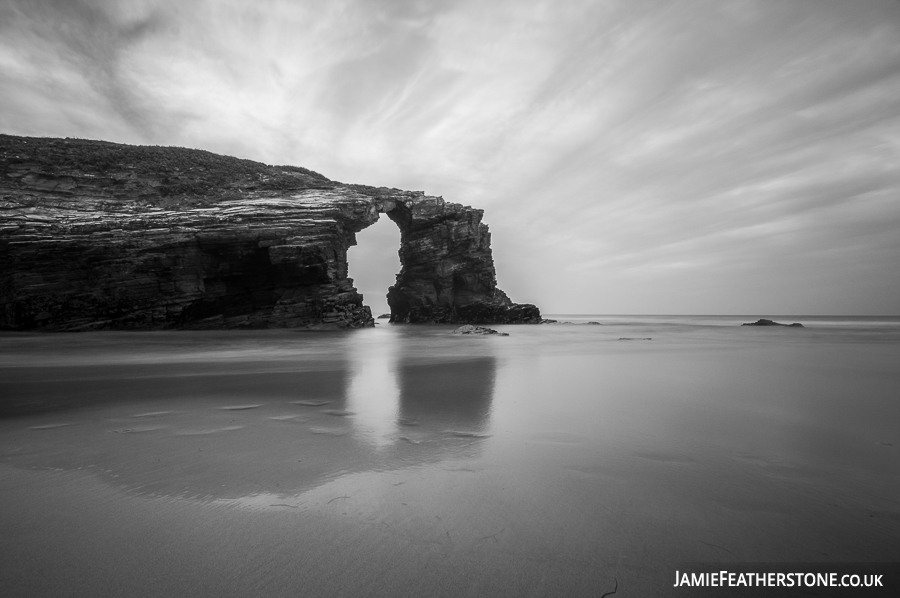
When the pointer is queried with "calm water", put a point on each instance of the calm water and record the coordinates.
(404, 461)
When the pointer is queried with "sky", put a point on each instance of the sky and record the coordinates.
(631, 156)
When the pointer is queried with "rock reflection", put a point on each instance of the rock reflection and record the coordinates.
(454, 396)
(225, 429)
(372, 393)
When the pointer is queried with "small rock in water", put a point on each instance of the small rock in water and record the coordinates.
(469, 329)
(765, 322)
(549, 321)
(634, 338)
(596, 323)
(384, 316)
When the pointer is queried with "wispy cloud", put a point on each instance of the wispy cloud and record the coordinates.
(639, 144)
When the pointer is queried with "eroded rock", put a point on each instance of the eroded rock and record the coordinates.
(97, 235)
(469, 329)
(765, 322)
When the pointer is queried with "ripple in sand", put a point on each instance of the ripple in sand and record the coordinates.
(209, 431)
(338, 412)
(239, 407)
(51, 426)
(155, 413)
(467, 434)
(310, 403)
(328, 431)
(294, 419)
(136, 429)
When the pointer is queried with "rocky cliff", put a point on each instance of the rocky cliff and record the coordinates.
(97, 235)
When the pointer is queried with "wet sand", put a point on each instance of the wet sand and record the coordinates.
(404, 461)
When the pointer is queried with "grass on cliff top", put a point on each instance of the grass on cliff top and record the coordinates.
(168, 171)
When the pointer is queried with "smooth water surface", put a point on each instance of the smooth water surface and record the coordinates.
(406, 461)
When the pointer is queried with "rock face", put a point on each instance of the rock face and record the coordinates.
(97, 235)
(765, 322)
(447, 272)
(469, 329)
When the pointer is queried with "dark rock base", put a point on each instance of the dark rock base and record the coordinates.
(477, 330)
(764, 322)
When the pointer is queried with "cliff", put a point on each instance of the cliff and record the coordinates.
(97, 235)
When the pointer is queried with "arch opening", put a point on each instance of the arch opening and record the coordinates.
(374, 262)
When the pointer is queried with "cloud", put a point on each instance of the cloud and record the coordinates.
(690, 145)
(73, 44)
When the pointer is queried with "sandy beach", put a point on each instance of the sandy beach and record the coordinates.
(405, 461)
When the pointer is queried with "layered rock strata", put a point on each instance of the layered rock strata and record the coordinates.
(96, 235)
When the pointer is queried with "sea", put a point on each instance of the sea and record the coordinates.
(599, 455)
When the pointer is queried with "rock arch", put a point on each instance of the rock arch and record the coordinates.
(447, 270)
(96, 235)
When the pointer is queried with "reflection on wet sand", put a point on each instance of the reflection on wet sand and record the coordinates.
(217, 434)
(408, 461)
(455, 396)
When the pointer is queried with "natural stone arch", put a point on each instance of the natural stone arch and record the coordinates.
(447, 270)
(98, 235)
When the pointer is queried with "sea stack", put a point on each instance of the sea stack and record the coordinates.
(97, 235)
